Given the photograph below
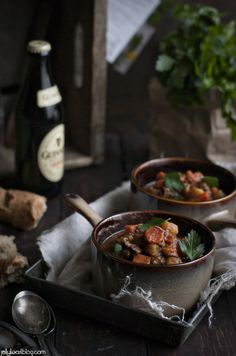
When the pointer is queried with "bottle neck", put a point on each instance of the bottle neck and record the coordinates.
(39, 70)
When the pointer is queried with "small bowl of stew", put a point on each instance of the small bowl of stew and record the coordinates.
(154, 249)
(186, 186)
(166, 254)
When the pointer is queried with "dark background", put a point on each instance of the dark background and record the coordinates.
(128, 106)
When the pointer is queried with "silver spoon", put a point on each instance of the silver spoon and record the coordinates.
(32, 315)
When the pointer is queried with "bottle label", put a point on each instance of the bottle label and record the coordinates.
(48, 97)
(51, 154)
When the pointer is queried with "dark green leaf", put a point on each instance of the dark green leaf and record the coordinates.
(211, 181)
(152, 222)
(172, 181)
(191, 246)
(164, 63)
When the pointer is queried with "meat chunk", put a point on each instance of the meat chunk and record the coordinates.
(139, 258)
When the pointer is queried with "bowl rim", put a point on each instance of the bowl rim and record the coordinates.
(153, 266)
(145, 164)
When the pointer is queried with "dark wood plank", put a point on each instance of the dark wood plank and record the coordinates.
(94, 338)
(216, 340)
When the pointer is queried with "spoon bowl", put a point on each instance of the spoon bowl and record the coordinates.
(31, 313)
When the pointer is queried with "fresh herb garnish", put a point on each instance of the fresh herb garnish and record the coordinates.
(199, 57)
(172, 181)
(211, 181)
(191, 246)
(152, 222)
(117, 249)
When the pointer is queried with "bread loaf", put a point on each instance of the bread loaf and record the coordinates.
(12, 263)
(21, 209)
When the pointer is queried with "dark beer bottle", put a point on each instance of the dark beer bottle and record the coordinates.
(39, 127)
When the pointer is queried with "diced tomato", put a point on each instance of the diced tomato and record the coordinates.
(139, 258)
(170, 251)
(154, 235)
(130, 229)
(160, 175)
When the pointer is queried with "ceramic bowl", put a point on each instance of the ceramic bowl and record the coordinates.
(144, 174)
(175, 284)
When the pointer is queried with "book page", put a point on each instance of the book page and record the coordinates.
(125, 17)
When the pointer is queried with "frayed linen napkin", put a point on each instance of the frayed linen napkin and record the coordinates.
(66, 251)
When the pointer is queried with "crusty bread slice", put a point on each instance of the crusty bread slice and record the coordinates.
(21, 209)
(12, 263)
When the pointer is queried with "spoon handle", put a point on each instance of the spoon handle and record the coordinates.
(43, 345)
(22, 336)
(53, 350)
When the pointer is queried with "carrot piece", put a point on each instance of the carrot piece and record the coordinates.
(160, 175)
(154, 235)
(205, 196)
(139, 258)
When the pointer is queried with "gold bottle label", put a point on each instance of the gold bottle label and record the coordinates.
(48, 97)
(51, 154)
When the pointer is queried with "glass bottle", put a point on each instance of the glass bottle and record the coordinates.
(39, 126)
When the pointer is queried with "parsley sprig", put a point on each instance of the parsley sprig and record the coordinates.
(199, 57)
(211, 181)
(191, 246)
(172, 181)
(150, 223)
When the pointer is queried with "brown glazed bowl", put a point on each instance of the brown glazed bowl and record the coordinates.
(176, 284)
(145, 173)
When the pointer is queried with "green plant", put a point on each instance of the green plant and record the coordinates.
(199, 56)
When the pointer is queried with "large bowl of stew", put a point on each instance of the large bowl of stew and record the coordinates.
(155, 250)
(186, 186)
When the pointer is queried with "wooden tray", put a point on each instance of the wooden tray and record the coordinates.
(91, 306)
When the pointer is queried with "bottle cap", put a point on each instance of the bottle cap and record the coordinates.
(39, 46)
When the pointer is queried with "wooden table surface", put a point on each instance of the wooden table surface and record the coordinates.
(78, 336)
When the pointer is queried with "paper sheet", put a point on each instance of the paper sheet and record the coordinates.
(125, 17)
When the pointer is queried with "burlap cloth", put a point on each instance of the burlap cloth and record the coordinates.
(66, 251)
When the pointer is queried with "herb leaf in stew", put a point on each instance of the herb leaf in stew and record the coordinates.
(172, 181)
(211, 181)
(191, 246)
(152, 222)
